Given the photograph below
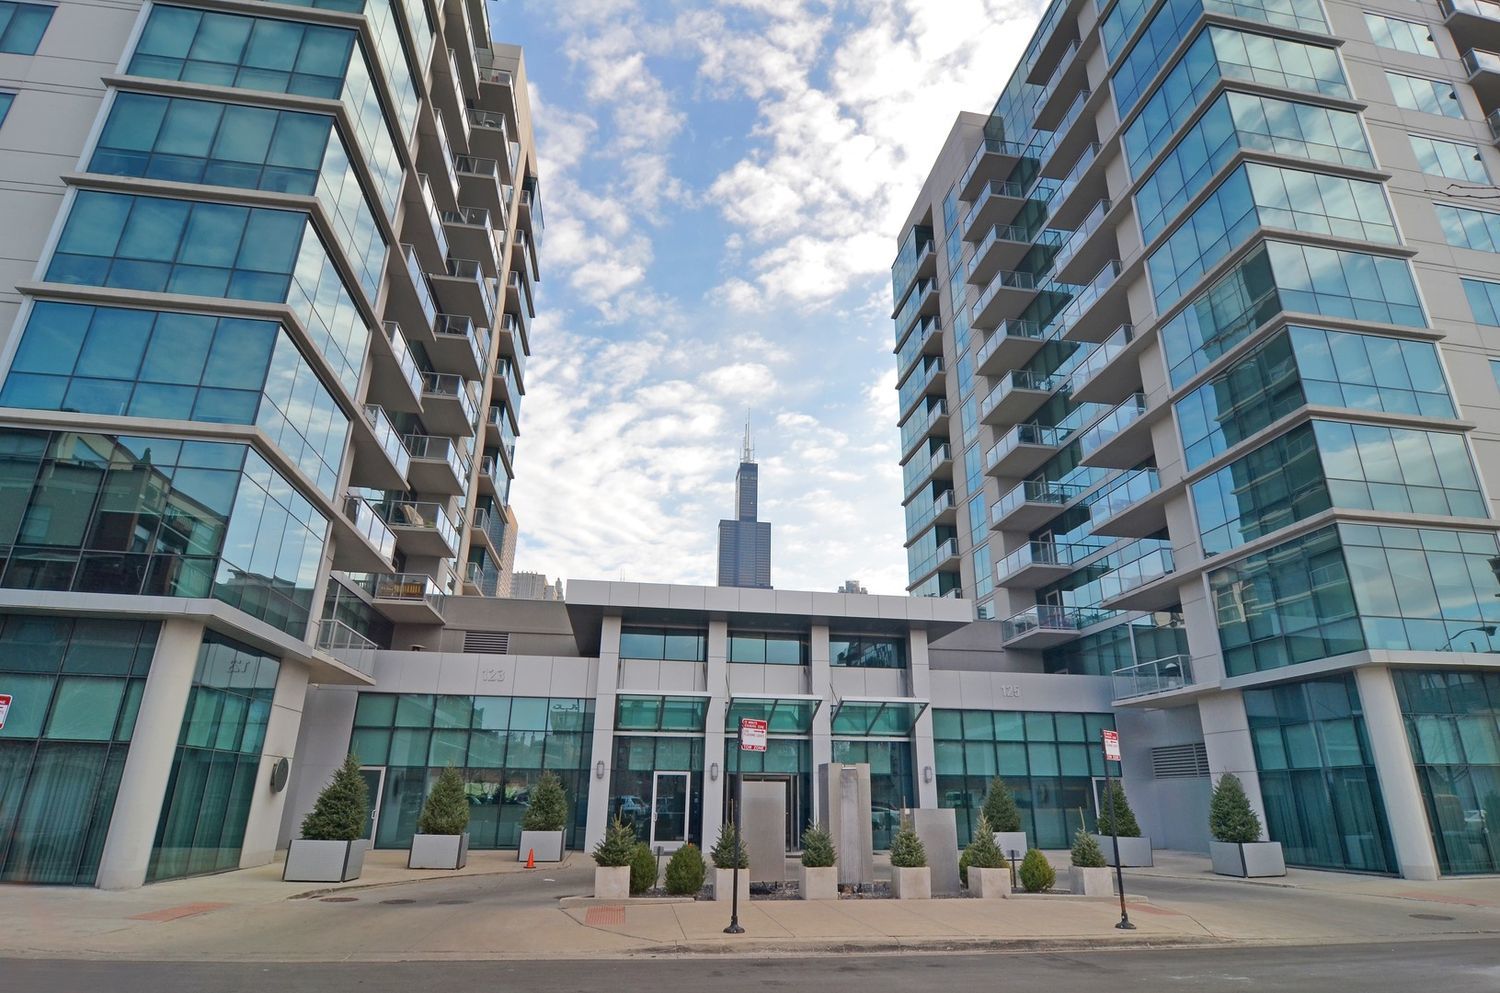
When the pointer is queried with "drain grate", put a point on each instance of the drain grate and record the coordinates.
(1431, 917)
(340, 899)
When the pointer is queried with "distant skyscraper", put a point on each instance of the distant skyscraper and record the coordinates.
(852, 586)
(534, 586)
(745, 543)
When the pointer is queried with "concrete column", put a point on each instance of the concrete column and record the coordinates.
(1226, 737)
(604, 732)
(263, 823)
(820, 681)
(923, 753)
(717, 684)
(148, 764)
(1405, 811)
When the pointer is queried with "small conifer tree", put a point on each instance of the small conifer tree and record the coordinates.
(907, 850)
(982, 852)
(1000, 807)
(548, 808)
(446, 810)
(1124, 817)
(616, 847)
(342, 808)
(686, 871)
(728, 849)
(1230, 816)
(1086, 853)
(1037, 874)
(642, 868)
(817, 848)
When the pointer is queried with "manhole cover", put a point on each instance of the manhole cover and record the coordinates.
(452, 903)
(340, 899)
(397, 902)
(1431, 917)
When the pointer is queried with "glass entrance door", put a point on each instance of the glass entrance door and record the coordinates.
(669, 810)
(374, 777)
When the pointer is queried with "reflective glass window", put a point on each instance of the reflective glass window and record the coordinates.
(1429, 96)
(1403, 36)
(22, 26)
(1449, 159)
(1468, 228)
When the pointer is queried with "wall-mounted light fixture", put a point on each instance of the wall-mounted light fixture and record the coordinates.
(926, 773)
(599, 769)
(713, 771)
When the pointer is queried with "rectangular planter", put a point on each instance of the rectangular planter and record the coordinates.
(1091, 881)
(912, 884)
(819, 884)
(1012, 841)
(989, 884)
(1133, 851)
(612, 882)
(324, 861)
(438, 851)
(724, 885)
(1257, 859)
(548, 846)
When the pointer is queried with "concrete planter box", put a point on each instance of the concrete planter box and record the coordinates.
(324, 861)
(989, 884)
(912, 884)
(1259, 858)
(818, 884)
(438, 851)
(1012, 841)
(1091, 881)
(1133, 851)
(724, 885)
(612, 882)
(548, 846)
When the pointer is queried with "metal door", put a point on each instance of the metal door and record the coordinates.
(374, 777)
(669, 810)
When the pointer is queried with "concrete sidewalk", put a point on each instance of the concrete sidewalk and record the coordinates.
(496, 909)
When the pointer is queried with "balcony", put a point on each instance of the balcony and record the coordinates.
(925, 379)
(423, 530)
(1082, 186)
(464, 288)
(945, 553)
(479, 532)
(347, 645)
(423, 223)
(481, 182)
(1070, 76)
(1068, 137)
(1038, 563)
(1174, 672)
(1005, 294)
(436, 157)
(489, 137)
(1111, 371)
(1004, 246)
(1142, 580)
(1018, 396)
(395, 379)
(448, 404)
(507, 389)
(374, 545)
(471, 234)
(1472, 23)
(1023, 449)
(380, 459)
(515, 342)
(921, 301)
(411, 298)
(1132, 505)
(921, 470)
(923, 424)
(925, 339)
(993, 159)
(1086, 249)
(940, 511)
(998, 202)
(1041, 626)
(460, 346)
(1030, 504)
(496, 85)
(405, 597)
(1098, 307)
(1011, 344)
(462, 67)
(518, 295)
(438, 465)
(1121, 439)
(1053, 37)
(494, 478)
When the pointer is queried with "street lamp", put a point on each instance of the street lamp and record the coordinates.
(1488, 629)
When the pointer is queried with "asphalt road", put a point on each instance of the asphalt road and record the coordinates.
(1452, 966)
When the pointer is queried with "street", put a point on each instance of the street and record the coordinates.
(1454, 966)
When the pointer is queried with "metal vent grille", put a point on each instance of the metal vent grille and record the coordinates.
(487, 642)
(1179, 761)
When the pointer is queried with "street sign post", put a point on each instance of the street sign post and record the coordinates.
(752, 739)
(4, 707)
(1111, 740)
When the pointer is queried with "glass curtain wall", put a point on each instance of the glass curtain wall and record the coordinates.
(75, 686)
(202, 826)
(893, 784)
(632, 783)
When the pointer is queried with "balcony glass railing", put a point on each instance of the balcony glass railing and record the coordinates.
(1041, 617)
(1112, 423)
(1081, 235)
(915, 427)
(995, 188)
(1045, 553)
(424, 184)
(486, 119)
(1033, 491)
(453, 387)
(1013, 329)
(1015, 234)
(404, 360)
(945, 551)
(1085, 296)
(506, 371)
(446, 149)
(388, 438)
(424, 517)
(435, 448)
(366, 520)
(1141, 562)
(460, 327)
(1020, 379)
(1005, 279)
(1030, 433)
(1070, 181)
(1050, 87)
(907, 315)
(419, 281)
(1102, 355)
(347, 645)
(919, 469)
(407, 586)
(990, 146)
(1158, 676)
(1476, 8)
(916, 384)
(1125, 490)
(911, 349)
(918, 517)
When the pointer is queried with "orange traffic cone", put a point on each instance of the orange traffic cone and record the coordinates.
(531, 858)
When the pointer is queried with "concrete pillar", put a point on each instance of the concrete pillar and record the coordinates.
(263, 823)
(923, 753)
(148, 764)
(1405, 811)
(819, 682)
(717, 684)
(604, 732)
(1226, 737)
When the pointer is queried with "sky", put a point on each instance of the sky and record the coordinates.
(724, 186)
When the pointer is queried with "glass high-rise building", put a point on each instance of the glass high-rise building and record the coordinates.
(1198, 339)
(265, 310)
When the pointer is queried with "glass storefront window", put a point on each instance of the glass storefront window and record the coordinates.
(633, 784)
(867, 651)
(768, 649)
(892, 782)
(663, 644)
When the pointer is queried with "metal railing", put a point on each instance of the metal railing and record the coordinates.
(419, 281)
(1029, 433)
(406, 586)
(424, 517)
(347, 645)
(404, 359)
(1157, 676)
(367, 521)
(1033, 491)
(1111, 424)
(1102, 355)
(1045, 553)
(435, 448)
(388, 438)
(1125, 490)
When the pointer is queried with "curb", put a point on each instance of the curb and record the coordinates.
(889, 946)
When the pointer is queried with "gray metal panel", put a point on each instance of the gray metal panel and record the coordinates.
(937, 829)
(764, 823)
(846, 818)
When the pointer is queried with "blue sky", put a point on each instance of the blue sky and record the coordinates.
(723, 186)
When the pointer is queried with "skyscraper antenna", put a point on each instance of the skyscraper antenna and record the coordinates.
(748, 455)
